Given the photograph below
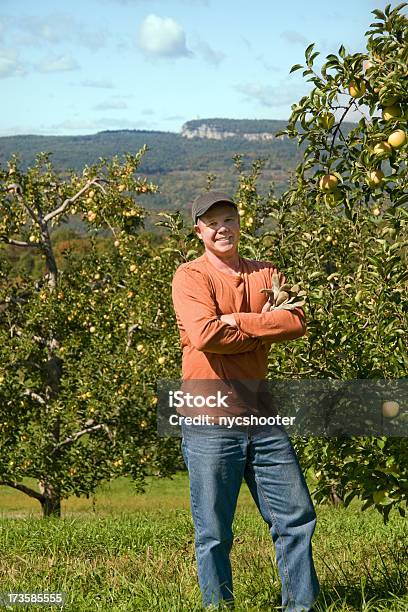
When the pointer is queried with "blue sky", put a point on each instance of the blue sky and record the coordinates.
(82, 66)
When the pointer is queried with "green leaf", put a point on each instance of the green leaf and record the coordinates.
(342, 52)
(295, 67)
(309, 50)
(400, 6)
(378, 14)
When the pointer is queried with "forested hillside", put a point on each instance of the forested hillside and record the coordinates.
(179, 165)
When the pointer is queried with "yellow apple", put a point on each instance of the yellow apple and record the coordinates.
(376, 212)
(391, 112)
(390, 409)
(375, 178)
(332, 198)
(161, 360)
(328, 182)
(326, 120)
(383, 149)
(397, 139)
(379, 496)
(357, 89)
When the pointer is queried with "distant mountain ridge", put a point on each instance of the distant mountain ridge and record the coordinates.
(168, 152)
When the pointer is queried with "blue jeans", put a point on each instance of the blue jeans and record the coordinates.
(217, 459)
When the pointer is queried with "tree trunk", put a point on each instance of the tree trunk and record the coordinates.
(336, 499)
(50, 500)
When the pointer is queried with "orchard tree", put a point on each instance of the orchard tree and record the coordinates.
(77, 405)
(342, 230)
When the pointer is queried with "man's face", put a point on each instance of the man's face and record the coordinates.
(218, 228)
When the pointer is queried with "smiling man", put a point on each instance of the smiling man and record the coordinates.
(226, 331)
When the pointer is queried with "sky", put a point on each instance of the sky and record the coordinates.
(74, 67)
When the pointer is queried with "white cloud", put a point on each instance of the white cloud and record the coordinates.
(51, 29)
(10, 65)
(104, 123)
(174, 118)
(54, 29)
(110, 105)
(294, 37)
(267, 65)
(162, 37)
(78, 126)
(100, 84)
(270, 96)
(208, 54)
(60, 63)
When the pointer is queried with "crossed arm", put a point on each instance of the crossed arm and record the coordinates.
(197, 316)
(232, 333)
(268, 325)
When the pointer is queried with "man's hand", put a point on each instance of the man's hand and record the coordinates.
(267, 306)
(229, 319)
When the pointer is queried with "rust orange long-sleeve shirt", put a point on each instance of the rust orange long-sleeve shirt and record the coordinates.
(214, 350)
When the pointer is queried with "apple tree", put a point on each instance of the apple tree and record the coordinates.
(76, 400)
(342, 229)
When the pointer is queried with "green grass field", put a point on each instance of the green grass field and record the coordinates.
(125, 551)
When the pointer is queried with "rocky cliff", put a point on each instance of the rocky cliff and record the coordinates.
(206, 130)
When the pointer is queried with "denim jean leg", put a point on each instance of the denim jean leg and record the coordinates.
(215, 460)
(278, 486)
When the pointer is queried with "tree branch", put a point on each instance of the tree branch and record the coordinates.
(81, 433)
(339, 125)
(17, 332)
(23, 488)
(131, 329)
(34, 396)
(18, 192)
(68, 201)
(19, 243)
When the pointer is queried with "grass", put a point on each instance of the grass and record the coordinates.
(123, 551)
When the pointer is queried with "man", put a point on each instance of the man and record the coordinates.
(226, 330)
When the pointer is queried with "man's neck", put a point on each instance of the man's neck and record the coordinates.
(229, 264)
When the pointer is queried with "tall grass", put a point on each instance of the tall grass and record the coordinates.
(124, 551)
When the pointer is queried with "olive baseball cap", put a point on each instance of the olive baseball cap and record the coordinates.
(207, 199)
